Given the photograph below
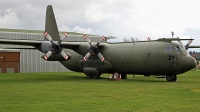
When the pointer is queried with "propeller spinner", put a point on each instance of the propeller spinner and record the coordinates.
(56, 46)
(93, 49)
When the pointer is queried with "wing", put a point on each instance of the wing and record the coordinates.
(70, 45)
(194, 46)
(33, 43)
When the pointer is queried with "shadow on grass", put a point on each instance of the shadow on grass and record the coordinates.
(141, 79)
(72, 77)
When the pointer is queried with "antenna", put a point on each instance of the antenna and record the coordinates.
(172, 33)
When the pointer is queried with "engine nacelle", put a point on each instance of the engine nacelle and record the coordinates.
(45, 46)
(56, 54)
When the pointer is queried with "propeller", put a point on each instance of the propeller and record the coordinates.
(56, 46)
(148, 39)
(187, 45)
(93, 49)
(133, 40)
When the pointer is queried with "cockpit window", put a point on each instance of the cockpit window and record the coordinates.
(177, 48)
(170, 48)
(181, 47)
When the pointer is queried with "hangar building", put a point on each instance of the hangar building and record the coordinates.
(30, 60)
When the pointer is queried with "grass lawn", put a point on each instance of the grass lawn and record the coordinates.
(45, 92)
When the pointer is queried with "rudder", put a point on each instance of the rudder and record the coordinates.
(50, 24)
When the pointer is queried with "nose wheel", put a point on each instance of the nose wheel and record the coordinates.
(171, 78)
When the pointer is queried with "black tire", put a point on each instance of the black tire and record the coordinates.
(88, 76)
(175, 78)
(170, 78)
(123, 76)
(96, 76)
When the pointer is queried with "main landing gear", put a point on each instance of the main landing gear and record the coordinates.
(124, 76)
(171, 78)
(94, 76)
(118, 76)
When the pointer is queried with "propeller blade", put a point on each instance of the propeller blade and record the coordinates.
(87, 56)
(101, 40)
(87, 39)
(62, 38)
(187, 45)
(133, 40)
(64, 55)
(179, 41)
(48, 36)
(46, 56)
(101, 56)
(148, 38)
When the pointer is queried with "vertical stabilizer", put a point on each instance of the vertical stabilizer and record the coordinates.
(50, 24)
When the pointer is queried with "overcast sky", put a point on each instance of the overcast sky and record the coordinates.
(120, 18)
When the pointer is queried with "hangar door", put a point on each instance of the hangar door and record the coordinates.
(9, 61)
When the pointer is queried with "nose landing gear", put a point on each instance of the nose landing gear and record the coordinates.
(171, 78)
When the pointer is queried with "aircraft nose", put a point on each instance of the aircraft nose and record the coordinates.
(186, 63)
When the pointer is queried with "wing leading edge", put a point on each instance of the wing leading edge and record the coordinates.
(35, 43)
(20, 42)
(194, 46)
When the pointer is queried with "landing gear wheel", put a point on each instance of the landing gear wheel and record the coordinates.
(88, 76)
(124, 76)
(171, 78)
(96, 76)
(175, 78)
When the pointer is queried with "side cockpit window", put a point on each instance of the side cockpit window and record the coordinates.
(171, 48)
(181, 47)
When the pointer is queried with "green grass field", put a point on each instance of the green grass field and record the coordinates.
(45, 92)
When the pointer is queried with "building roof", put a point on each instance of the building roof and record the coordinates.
(36, 31)
(9, 50)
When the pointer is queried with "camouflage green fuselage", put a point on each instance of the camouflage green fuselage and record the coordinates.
(146, 58)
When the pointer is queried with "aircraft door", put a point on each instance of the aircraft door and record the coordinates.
(172, 57)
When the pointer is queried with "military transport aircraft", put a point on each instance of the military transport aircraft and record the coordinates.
(154, 57)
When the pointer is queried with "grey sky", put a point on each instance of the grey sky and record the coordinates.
(120, 18)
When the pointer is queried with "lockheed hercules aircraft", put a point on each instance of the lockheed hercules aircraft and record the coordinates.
(154, 57)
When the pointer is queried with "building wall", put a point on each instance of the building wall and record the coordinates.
(30, 60)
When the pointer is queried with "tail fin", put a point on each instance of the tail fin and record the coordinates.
(50, 24)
